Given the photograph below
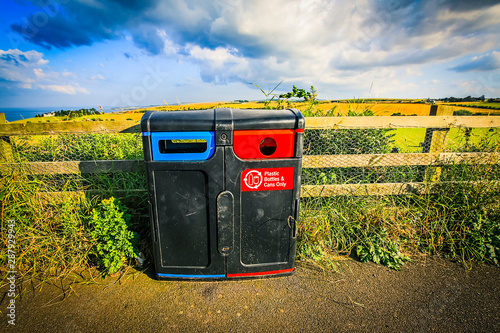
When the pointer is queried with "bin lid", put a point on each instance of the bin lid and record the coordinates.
(205, 120)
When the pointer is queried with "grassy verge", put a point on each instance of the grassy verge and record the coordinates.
(60, 236)
(459, 217)
(460, 220)
(50, 237)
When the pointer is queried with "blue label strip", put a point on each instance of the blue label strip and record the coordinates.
(156, 137)
(192, 276)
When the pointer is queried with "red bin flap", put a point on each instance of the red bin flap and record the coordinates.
(260, 144)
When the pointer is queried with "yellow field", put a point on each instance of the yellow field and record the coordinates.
(323, 108)
(388, 109)
(379, 109)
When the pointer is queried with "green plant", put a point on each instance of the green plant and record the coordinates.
(109, 224)
(462, 112)
(283, 99)
(270, 94)
(301, 93)
(310, 97)
(333, 227)
(70, 147)
(376, 247)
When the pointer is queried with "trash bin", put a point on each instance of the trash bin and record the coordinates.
(224, 188)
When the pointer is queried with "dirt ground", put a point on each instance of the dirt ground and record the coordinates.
(429, 294)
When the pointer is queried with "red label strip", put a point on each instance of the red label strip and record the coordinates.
(269, 179)
(281, 271)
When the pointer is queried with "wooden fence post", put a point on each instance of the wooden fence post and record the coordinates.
(435, 140)
(5, 147)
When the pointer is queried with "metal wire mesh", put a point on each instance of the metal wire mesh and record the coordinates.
(332, 156)
(360, 156)
(77, 147)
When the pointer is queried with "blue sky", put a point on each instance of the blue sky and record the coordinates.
(84, 53)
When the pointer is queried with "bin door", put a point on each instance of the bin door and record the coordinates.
(265, 209)
(184, 196)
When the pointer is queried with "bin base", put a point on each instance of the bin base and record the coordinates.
(275, 273)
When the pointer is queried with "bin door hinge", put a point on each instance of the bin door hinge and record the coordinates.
(225, 222)
(223, 127)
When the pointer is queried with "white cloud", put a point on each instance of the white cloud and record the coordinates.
(65, 89)
(484, 62)
(29, 70)
(38, 72)
(220, 65)
(97, 77)
(17, 66)
(345, 45)
(326, 42)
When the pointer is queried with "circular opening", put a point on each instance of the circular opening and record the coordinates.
(267, 146)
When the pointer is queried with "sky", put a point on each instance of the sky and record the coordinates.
(115, 53)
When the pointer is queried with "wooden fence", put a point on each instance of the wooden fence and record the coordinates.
(437, 126)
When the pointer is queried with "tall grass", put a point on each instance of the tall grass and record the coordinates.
(460, 220)
(53, 233)
(50, 237)
(78, 147)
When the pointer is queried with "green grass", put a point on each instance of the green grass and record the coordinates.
(408, 140)
(54, 237)
(459, 220)
(69, 147)
(491, 105)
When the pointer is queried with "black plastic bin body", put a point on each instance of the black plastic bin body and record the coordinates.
(224, 188)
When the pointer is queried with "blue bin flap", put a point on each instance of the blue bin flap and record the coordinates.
(182, 146)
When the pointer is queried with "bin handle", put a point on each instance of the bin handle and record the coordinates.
(225, 222)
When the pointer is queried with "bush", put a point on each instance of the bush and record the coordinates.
(109, 225)
(462, 112)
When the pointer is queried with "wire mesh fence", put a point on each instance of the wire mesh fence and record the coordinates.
(332, 156)
(76, 147)
(357, 183)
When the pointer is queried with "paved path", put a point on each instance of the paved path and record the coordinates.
(429, 295)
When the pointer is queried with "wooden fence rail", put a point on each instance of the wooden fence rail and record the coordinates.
(131, 126)
(309, 161)
(430, 158)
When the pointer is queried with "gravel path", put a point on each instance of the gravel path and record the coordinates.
(427, 295)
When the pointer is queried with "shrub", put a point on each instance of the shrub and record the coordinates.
(462, 112)
(109, 224)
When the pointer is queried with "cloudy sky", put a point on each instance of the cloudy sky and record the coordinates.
(128, 53)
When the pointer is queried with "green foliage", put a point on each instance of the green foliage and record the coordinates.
(309, 96)
(109, 224)
(376, 247)
(461, 219)
(300, 93)
(331, 227)
(74, 113)
(462, 112)
(270, 95)
(457, 218)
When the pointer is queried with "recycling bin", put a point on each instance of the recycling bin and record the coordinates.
(224, 188)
